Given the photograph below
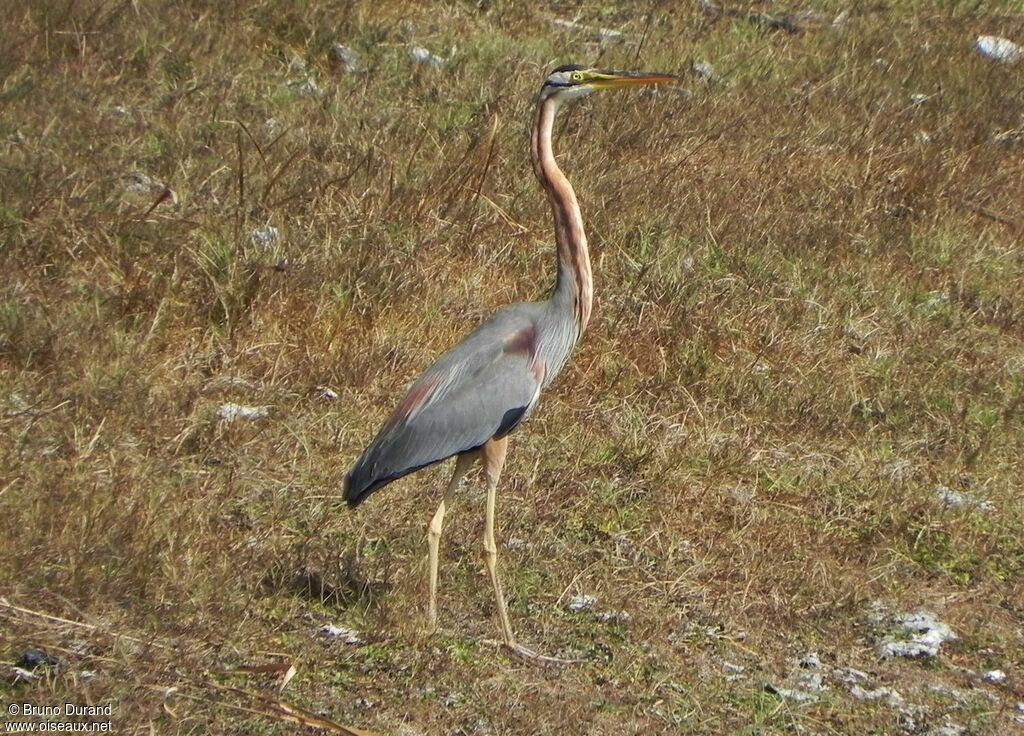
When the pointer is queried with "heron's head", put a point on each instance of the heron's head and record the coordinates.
(572, 82)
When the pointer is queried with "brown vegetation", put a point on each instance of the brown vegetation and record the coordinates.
(809, 317)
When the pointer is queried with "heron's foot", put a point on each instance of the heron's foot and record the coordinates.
(531, 656)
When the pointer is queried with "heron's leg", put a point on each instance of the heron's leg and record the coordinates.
(462, 465)
(493, 456)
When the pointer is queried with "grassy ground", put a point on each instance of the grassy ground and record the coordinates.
(809, 317)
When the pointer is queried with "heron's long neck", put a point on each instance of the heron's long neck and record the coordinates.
(574, 288)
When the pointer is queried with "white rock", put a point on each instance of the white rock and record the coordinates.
(918, 99)
(928, 636)
(813, 682)
(598, 34)
(343, 58)
(892, 697)
(927, 623)
(614, 617)
(326, 393)
(420, 55)
(340, 632)
(139, 188)
(950, 729)
(307, 87)
(581, 603)
(809, 661)
(998, 48)
(231, 412)
(704, 70)
(795, 695)
(710, 7)
(994, 676)
(954, 499)
(850, 676)
(265, 237)
(137, 183)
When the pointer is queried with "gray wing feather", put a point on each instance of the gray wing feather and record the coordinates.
(478, 389)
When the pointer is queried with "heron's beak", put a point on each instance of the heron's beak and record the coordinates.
(614, 80)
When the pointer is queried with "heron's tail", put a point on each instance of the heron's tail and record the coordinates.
(367, 475)
(373, 471)
(360, 483)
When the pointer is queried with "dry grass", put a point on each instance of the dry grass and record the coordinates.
(810, 314)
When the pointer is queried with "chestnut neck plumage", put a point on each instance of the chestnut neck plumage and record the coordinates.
(574, 289)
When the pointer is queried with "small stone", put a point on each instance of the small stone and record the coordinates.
(918, 99)
(325, 393)
(998, 48)
(137, 184)
(231, 412)
(348, 636)
(307, 87)
(994, 677)
(950, 729)
(343, 59)
(581, 603)
(953, 499)
(141, 189)
(603, 35)
(812, 682)
(810, 661)
(614, 617)
(794, 695)
(851, 676)
(265, 237)
(892, 697)
(878, 612)
(709, 7)
(928, 636)
(703, 70)
(420, 55)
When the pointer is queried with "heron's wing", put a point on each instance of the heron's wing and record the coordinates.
(481, 388)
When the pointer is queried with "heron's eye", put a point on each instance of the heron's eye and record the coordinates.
(577, 76)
